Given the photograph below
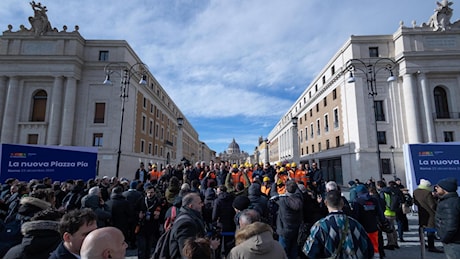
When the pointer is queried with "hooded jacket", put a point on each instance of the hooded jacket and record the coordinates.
(41, 237)
(255, 241)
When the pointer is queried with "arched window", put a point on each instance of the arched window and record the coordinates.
(39, 106)
(440, 102)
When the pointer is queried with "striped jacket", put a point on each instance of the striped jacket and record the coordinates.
(326, 235)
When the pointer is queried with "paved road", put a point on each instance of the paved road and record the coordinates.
(411, 248)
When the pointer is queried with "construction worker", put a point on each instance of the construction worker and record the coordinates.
(155, 174)
(279, 186)
(266, 186)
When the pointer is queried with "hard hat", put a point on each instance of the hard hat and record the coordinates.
(278, 164)
(266, 179)
(288, 165)
(293, 164)
(282, 169)
(234, 166)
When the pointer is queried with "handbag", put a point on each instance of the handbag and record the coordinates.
(337, 251)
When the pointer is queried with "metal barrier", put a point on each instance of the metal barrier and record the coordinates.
(421, 232)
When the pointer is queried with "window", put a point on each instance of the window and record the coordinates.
(382, 137)
(306, 149)
(328, 145)
(336, 118)
(379, 111)
(326, 123)
(318, 127)
(99, 113)
(332, 70)
(151, 127)
(161, 151)
(325, 101)
(144, 102)
(306, 133)
(323, 80)
(373, 52)
(302, 151)
(150, 148)
(337, 141)
(312, 148)
(162, 136)
(142, 146)
(317, 107)
(156, 150)
(301, 136)
(448, 136)
(311, 130)
(156, 130)
(311, 112)
(334, 94)
(309, 94)
(316, 87)
(319, 147)
(98, 139)
(32, 139)
(386, 166)
(440, 103)
(103, 55)
(144, 123)
(39, 106)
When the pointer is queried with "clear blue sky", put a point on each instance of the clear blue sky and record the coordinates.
(233, 67)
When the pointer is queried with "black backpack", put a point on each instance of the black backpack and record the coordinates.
(162, 247)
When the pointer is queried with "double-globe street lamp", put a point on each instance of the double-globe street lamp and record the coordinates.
(126, 72)
(370, 70)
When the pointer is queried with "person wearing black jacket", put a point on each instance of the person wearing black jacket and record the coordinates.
(448, 216)
(121, 209)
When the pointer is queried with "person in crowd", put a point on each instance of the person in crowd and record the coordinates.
(239, 204)
(40, 236)
(447, 217)
(74, 226)
(259, 201)
(134, 198)
(104, 243)
(191, 226)
(95, 202)
(369, 213)
(223, 215)
(385, 194)
(317, 179)
(426, 204)
(254, 239)
(197, 248)
(149, 219)
(289, 218)
(142, 174)
(348, 240)
(121, 210)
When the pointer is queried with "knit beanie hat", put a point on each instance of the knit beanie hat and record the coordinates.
(241, 202)
(448, 184)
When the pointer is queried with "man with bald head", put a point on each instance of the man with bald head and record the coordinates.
(104, 243)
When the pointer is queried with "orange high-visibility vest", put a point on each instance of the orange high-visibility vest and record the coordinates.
(236, 178)
(156, 175)
(266, 189)
(282, 189)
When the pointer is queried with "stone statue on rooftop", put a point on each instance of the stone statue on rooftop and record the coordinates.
(39, 22)
(440, 20)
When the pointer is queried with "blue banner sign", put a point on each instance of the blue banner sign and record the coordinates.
(26, 162)
(433, 162)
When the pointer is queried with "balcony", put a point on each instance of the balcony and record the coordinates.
(169, 143)
(446, 115)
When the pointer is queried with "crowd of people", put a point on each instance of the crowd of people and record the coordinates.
(219, 210)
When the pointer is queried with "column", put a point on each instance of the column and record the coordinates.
(10, 112)
(3, 89)
(428, 109)
(55, 112)
(410, 105)
(69, 112)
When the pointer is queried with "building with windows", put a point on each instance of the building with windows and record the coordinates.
(53, 94)
(354, 118)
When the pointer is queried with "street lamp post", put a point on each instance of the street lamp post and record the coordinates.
(267, 155)
(392, 149)
(125, 77)
(370, 70)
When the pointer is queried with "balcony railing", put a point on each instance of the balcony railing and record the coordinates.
(446, 115)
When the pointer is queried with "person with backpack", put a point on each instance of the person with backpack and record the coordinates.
(391, 205)
(188, 224)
